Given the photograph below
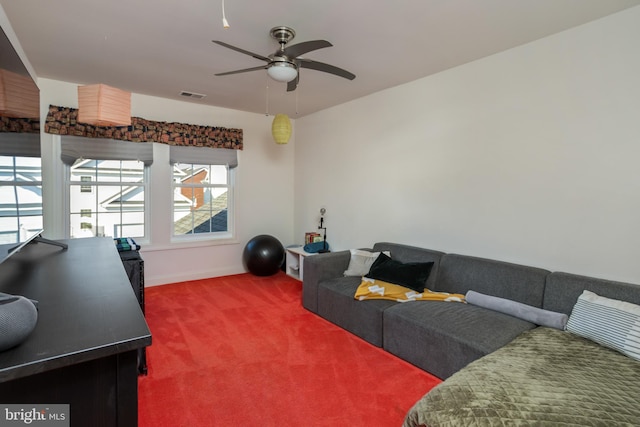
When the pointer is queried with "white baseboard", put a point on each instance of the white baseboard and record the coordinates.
(184, 276)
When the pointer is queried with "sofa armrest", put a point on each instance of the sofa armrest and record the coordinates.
(321, 267)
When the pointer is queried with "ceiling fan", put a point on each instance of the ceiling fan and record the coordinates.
(285, 63)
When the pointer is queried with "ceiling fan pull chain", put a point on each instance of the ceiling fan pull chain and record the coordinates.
(225, 23)
(267, 95)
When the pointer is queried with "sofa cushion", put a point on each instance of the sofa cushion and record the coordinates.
(318, 268)
(412, 275)
(609, 322)
(526, 312)
(563, 289)
(360, 262)
(336, 304)
(443, 337)
(461, 273)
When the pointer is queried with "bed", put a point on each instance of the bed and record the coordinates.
(544, 377)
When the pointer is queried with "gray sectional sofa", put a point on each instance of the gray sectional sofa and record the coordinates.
(498, 369)
(444, 337)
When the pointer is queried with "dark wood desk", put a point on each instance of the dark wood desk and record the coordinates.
(83, 350)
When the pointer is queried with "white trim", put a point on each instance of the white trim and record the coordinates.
(184, 276)
(191, 243)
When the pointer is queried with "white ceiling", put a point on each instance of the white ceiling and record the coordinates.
(162, 47)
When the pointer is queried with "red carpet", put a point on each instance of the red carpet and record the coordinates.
(241, 351)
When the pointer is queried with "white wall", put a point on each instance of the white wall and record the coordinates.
(529, 156)
(263, 194)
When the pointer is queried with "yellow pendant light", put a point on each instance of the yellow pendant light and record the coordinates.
(281, 129)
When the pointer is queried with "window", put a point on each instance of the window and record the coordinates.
(106, 186)
(201, 199)
(108, 190)
(107, 198)
(20, 197)
(202, 192)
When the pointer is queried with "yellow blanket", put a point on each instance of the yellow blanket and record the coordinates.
(377, 289)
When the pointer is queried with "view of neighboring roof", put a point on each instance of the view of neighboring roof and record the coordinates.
(207, 218)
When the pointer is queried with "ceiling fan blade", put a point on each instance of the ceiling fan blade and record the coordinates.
(246, 52)
(293, 84)
(304, 47)
(245, 70)
(321, 66)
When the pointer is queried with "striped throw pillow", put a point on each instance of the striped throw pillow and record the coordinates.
(609, 322)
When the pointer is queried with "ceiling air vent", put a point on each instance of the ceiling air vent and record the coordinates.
(192, 95)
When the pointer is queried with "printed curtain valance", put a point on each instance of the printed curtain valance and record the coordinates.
(19, 125)
(63, 121)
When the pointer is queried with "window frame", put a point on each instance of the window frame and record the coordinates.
(158, 159)
(68, 183)
(216, 236)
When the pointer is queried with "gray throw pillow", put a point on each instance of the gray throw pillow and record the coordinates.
(522, 311)
(609, 322)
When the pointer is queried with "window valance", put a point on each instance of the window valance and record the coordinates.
(19, 125)
(74, 148)
(63, 121)
(20, 144)
(206, 156)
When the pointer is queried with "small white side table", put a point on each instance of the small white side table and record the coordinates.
(295, 262)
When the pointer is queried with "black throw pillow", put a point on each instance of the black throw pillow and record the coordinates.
(412, 275)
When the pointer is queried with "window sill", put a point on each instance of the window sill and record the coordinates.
(189, 243)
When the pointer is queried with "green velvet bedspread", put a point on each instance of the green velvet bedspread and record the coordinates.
(545, 377)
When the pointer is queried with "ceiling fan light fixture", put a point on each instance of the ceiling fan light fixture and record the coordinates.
(284, 64)
(282, 71)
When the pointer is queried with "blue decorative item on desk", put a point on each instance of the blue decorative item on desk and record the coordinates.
(316, 247)
(126, 244)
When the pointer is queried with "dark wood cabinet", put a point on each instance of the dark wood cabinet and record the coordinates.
(84, 348)
(134, 267)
